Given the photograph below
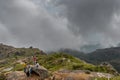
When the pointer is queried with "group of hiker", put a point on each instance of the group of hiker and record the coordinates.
(28, 68)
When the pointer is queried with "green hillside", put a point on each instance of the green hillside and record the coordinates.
(10, 51)
(54, 62)
(109, 55)
(58, 61)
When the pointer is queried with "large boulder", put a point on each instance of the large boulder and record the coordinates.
(17, 75)
(41, 72)
(37, 74)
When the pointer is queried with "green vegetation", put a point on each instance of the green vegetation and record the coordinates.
(58, 61)
(18, 67)
(2, 77)
(12, 52)
(55, 61)
(110, 55)
(114, 78)
(26, 51)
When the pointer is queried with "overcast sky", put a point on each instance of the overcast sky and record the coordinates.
(54, 24)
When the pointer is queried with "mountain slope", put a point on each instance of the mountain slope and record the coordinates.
(58, 61)
(109, 55)
(75, 53)
(9, 51)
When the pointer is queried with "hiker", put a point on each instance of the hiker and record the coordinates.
(34, 59)
(37, 65)
(25, 66)
(28, 71)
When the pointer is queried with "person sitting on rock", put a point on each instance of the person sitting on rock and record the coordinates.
(34, 59)
(25, 66)
(30, 70)
(27, 71)
(37, 65)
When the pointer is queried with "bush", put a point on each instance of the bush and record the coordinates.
(2, 77)
(77, 66)
(18, 67)
(87, 72)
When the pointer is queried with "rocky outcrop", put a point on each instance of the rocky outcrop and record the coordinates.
(77, 75)
(71, 75)
(20, 75)
(37, 74)
(17, 75)
(41, 72)
(7, 51)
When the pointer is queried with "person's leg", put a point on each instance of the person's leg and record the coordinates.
(27, 74)
(30, 71)
(25, 70)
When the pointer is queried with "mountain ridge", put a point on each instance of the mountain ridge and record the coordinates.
(110, 55)
(7, 51)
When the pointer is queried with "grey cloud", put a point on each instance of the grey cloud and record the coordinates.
(92, 18)
(90, 48)
(25, 23)
(31, 24)
(4, 34)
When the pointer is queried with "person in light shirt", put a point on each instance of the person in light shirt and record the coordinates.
(37, 65)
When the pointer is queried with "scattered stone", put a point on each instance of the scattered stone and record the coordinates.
(8, 69)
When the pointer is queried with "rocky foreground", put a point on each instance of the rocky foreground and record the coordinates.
(37, 74)
(58, 75)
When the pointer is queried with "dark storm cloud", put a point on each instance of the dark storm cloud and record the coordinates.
(93, 19)
(90, 15)
(24, 23)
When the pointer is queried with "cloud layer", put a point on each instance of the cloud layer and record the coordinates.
(25, 23)
(54, 24)
(96, 20)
